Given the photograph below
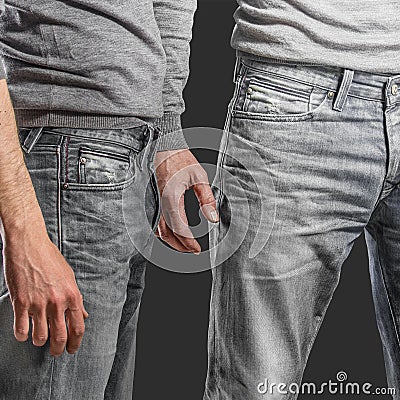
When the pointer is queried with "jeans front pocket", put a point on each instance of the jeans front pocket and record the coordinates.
(102, 167)
(98, 165)
(274, 97)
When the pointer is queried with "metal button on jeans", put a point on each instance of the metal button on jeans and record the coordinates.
(395, 89)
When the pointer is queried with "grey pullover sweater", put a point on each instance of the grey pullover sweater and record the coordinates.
(105, 63)
(98, 63)
(359, 34)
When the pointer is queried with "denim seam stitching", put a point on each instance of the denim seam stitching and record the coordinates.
(226, 132)
(282, 88)
(116, 142)
(319, 324)
(382, 193)
(309, 99)
(51, 378)
(59, 197)
(388, 300)
(215, 363)
(44, 148)
(102, 187)
(311, 84)
(241, 73)
(279, 118)
(380, 197)
(68, 139)
(391, 170)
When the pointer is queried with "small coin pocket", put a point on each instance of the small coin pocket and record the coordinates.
(103, 167)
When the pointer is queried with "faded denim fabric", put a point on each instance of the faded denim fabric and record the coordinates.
(329, 139)
(81, 177)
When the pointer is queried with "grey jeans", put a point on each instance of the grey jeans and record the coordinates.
(97, 192)
(329, 141)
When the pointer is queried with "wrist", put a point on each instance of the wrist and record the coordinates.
(22, 224)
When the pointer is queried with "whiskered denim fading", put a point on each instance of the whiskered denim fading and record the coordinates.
(329, 140)
(82, 177)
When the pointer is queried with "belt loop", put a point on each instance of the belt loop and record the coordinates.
(236, 70)
(31, 139)
(148, 140)
(343, 89)
(154, 144)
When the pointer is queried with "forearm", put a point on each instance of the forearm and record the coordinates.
(18, 204)
(40, 282)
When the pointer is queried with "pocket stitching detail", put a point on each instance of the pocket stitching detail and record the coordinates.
(280, 117)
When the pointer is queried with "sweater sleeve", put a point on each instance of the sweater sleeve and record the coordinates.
(175, 21)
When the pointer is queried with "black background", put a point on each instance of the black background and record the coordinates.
(172, 337)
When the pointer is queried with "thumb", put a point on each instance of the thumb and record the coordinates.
(206, 200)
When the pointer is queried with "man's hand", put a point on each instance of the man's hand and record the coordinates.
(41, 283)
(42, 286)
(178, 171)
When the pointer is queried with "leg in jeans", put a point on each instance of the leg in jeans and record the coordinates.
(383, 241)
(120, 383)
(81, 178)
(327, 160)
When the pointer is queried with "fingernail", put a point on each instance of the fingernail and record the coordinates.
(210, 213)
(214, 216)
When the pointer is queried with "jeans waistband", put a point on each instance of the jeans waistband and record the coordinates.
(370, 86)
(134, 138)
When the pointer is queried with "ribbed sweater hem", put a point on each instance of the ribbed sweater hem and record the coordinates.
(69, 119)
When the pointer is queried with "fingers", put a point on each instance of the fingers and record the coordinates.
(178, 223)
(79, 304)
(175, 228)
(76, 329)
(67, 325)
(55, 316)
(40, 328)
(85, 313)
(58, 333)
(168, 236)
(21, 322)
